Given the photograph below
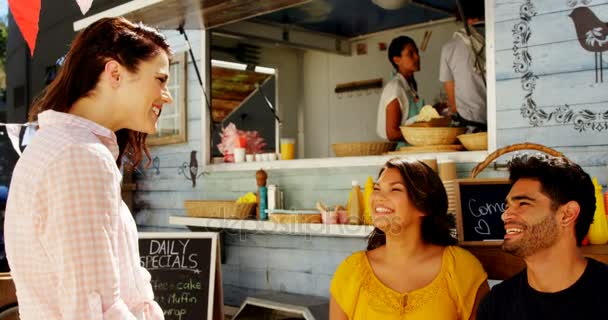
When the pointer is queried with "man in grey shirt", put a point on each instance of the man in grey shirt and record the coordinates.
(462, 70)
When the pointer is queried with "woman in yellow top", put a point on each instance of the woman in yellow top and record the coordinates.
(411, 269)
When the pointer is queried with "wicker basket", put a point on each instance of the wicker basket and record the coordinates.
(421, 136)
(515, 147)
(227, 209)
(354, 149)
(295, 218)
(474, 141)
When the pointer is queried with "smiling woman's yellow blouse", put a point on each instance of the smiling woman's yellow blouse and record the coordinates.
(451, 295)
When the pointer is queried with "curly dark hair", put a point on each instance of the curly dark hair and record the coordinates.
(562, 181)
(427, 193)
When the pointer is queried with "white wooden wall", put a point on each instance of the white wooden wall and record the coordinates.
(351, 117)
(564, 76)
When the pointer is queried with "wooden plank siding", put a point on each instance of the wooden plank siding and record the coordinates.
(563, 77)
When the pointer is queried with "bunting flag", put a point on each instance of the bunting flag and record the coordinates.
(13, 135)
(27, 14)
(84, 5)
(14, 129)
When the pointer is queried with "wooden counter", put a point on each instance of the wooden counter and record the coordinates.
(500, 265)
(7, 291)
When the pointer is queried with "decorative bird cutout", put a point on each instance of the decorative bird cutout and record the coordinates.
(592, 34)
(190, 170)
(193, 167)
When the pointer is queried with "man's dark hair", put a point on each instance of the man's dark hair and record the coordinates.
(562, 181)
(472, 9)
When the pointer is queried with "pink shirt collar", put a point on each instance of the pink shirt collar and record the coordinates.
(55, 118)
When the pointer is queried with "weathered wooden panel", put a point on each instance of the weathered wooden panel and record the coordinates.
(192, 144)
(548, 89)
(550, 59)
(510, 9)
(552, 90)
(552, 136)
(554, 26)
(511, 119)
(157, 217)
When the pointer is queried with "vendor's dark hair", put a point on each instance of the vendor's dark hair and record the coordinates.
(106, 39)
(394, 50)
(562, 181)
(427, 193)
(473, 9)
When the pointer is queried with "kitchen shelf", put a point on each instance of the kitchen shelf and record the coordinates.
(342, 162)
(256, 226)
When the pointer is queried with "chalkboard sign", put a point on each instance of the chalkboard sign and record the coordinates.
(183, 269)
(479, 206)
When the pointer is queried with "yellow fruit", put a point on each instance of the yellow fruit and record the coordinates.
(247, 198)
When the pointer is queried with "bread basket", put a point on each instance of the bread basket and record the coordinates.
(428, 136)
(221, 209)
(354, 149)
(294, 216)
(474, 141)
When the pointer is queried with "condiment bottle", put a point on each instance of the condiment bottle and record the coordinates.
(367, 193)
(354, 208)
(598, 231)
(261, 196)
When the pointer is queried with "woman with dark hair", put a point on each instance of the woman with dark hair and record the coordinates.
(412, 268)
(71, 241)
(399, 100)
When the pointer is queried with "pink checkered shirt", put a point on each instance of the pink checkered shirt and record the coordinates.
(71, 241)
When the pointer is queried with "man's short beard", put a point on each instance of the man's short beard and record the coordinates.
(539, 236)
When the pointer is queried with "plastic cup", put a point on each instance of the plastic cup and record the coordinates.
(249, 158)
(287, 148)
(431, 162)
(239, 154)
(272, 156)
(447, 170)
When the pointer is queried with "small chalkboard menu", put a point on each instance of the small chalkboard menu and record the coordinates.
(183, 269)
(479, 206)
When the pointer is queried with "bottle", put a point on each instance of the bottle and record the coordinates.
(354, 208)
(263, 203)
(367, 206)
(273, 197)
(598, 231)
(606, 204)
(260, 178)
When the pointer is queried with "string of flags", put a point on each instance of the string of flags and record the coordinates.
(27, 17)
(13, 130)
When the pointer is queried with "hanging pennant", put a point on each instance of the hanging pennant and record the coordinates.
(13, 130)
(27, 14)
(84, 5)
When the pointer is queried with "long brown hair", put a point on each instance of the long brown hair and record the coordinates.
(106, 39)
(427, 193)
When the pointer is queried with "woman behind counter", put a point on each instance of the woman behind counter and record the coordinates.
(71, 241)
(399, 101)
(411, 268)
